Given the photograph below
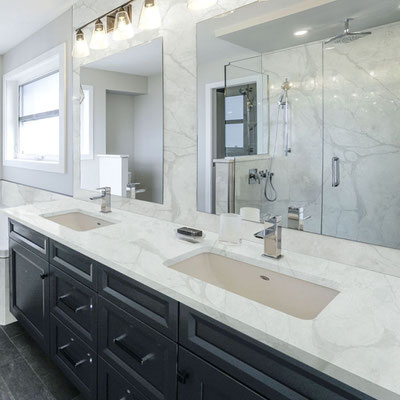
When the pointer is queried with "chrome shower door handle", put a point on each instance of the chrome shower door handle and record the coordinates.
(335, 171)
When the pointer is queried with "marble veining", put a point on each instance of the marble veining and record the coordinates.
(356, 338)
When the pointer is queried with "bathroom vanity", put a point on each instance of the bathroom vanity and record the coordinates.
(117, 337)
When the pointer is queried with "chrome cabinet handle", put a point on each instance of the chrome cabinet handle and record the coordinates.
(74, 363)
(123, 346)
(63, 299)
(335, 171)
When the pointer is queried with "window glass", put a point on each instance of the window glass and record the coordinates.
(41, 95)
(39, 139)
(234, 108)
(234, 135)
(39, 119)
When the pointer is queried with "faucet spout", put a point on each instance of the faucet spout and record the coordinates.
(105, 199)
(272, 235)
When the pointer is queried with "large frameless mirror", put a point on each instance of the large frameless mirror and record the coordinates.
(122, 123)
(298, 116)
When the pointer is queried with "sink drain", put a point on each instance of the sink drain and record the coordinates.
(264, 278)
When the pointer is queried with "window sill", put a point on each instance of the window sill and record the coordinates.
(47, 166)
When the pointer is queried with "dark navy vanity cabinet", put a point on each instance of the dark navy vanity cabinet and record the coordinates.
(116, 339)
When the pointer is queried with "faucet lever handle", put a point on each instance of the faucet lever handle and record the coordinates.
(275, 220)
(105, 189)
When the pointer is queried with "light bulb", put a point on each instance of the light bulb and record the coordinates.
(150, 17)
(99, 39)
(123, 28)
(81, 48)
(201, 4)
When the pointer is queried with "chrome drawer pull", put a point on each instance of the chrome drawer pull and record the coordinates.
(141, 360)
(63, 300)
(75, 364)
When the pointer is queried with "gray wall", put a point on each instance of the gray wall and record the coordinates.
(148, 141)
(55, 33)
(120, 120)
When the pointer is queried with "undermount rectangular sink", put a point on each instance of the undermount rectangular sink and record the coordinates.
(78, 221)
(293, 296)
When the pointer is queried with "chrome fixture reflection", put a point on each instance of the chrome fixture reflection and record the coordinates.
(150, 17)
(296, 218)
(284, 104)
(347, 36)
(201, 4)
(270, 192)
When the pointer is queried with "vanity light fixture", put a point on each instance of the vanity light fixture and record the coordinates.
(201, 4)
(123, 28)
(150, 17)
(81, 48)
(301, 32)
(99, 39)
(119, 21)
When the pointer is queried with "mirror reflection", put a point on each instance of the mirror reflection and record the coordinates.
(122, 123)
(298, 116)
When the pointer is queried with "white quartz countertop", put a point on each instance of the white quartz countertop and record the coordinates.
(355, 339)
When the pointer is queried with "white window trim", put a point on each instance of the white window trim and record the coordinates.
(90, 156)
(52, 60)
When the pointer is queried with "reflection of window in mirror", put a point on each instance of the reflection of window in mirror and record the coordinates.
(87, 123)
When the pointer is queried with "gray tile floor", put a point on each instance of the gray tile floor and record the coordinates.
(25, 371)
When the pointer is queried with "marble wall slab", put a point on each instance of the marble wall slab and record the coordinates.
(180, 133)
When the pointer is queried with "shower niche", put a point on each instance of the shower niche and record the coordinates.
(298, 114)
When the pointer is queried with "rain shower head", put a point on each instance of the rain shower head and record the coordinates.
(347, 36)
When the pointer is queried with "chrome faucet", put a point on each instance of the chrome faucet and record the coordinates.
(272, 235)
(105, 199)
(296, 218)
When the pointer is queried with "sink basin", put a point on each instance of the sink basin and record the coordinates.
(293, 296)
(78, 220)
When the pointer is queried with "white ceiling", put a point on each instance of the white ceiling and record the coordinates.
(22, 18)
(143, 60)
(265, 26)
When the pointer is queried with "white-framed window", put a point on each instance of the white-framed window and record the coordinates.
(86, 131)
(34, 113)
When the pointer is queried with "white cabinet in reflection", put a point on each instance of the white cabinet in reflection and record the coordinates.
(113, 172)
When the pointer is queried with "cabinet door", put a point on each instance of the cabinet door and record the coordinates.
(199, 380)
(29, 292)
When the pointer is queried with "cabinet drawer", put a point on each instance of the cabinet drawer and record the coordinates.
(34, 241)
(112, 386)
(199, 380)
(74, 358)
(146, 304)
(82, 268)
(145, 357)
(268, 371)
(29, 292)
(74, 304)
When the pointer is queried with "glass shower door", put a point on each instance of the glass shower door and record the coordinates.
(361, 195)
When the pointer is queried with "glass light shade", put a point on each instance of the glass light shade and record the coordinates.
(123, 28)
(201, 4)
(150, 17)
(81, 48)
(99, 39)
